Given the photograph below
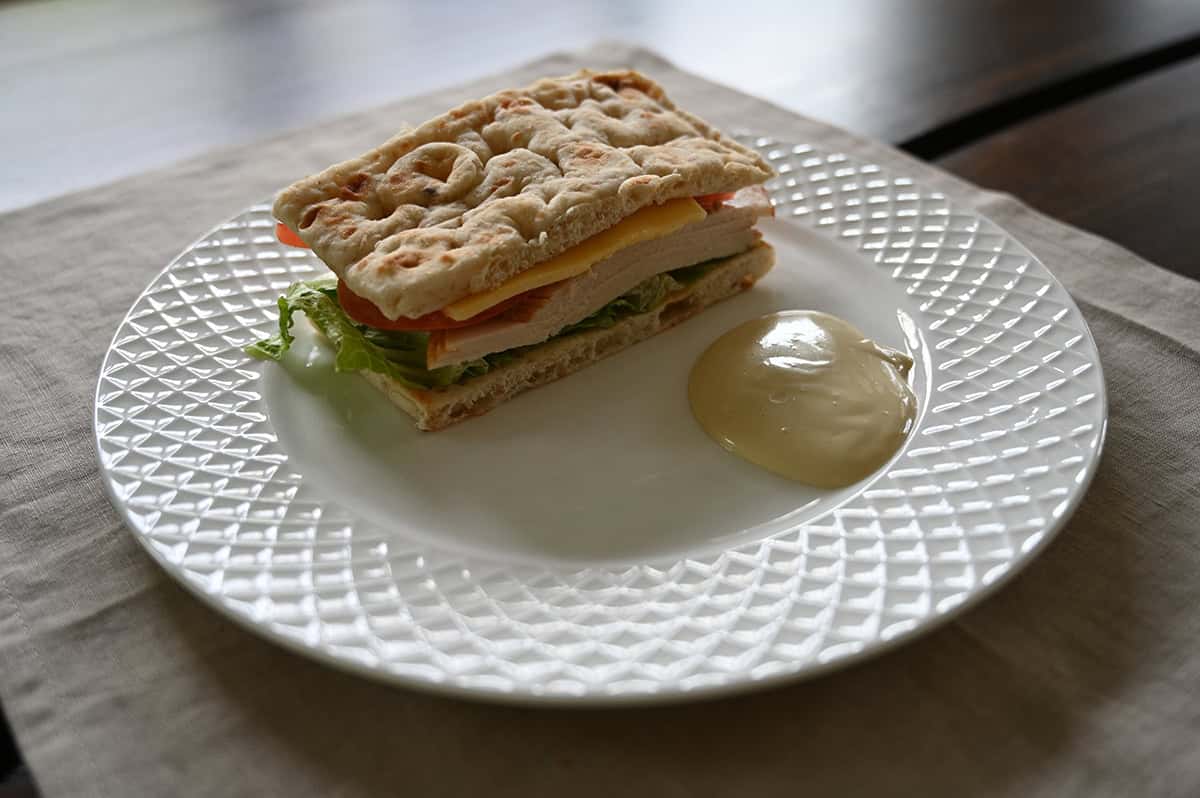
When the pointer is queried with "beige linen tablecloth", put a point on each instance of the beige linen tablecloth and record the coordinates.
(1081, 677)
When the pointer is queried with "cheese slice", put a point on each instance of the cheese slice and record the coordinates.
(649, 223)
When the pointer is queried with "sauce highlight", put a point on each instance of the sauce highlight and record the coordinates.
(805, 395)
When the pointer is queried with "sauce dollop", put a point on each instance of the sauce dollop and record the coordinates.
(805, 395)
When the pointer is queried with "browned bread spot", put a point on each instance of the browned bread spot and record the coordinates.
(465, 201)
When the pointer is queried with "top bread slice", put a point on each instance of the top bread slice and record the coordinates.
(462, 203)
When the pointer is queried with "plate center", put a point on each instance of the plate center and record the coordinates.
(605, 466)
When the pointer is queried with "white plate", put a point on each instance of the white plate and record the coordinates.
(586, 541)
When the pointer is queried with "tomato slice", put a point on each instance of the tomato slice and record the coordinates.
(710, 202)
(286, 236)
(364, 311)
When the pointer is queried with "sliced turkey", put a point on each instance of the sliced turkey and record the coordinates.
(727, 230)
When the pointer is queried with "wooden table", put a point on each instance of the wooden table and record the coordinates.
(1087, 109)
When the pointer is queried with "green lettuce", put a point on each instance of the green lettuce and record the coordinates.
(647, 295)
(690, 274)
(400, 354)
(396, 354)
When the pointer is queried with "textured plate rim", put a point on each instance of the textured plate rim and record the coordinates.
(599, 700)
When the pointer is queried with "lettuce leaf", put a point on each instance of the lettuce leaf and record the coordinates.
(690, 274)
(396, 354)
(401, 354)
(645, 296)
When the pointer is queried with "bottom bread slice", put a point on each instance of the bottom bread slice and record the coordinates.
(436, 409)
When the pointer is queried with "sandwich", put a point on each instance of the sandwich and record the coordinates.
(518, 238)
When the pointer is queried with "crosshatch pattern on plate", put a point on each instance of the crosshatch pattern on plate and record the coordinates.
(1014, 421)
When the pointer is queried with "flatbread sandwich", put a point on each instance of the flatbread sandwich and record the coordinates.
(518, 238)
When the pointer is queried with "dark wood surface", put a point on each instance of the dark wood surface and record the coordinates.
(1087, 109)
(99, 90)
(1124, 164)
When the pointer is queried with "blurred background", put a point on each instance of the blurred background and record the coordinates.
(94, 91)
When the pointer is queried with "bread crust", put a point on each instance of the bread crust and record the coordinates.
(470, 198)
(437, 409)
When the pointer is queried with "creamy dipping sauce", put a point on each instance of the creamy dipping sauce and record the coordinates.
(805, 395)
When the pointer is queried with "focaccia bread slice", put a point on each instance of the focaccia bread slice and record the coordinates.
(462, 203)
(436, 409)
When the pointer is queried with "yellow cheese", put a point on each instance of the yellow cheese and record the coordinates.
(648, 223)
